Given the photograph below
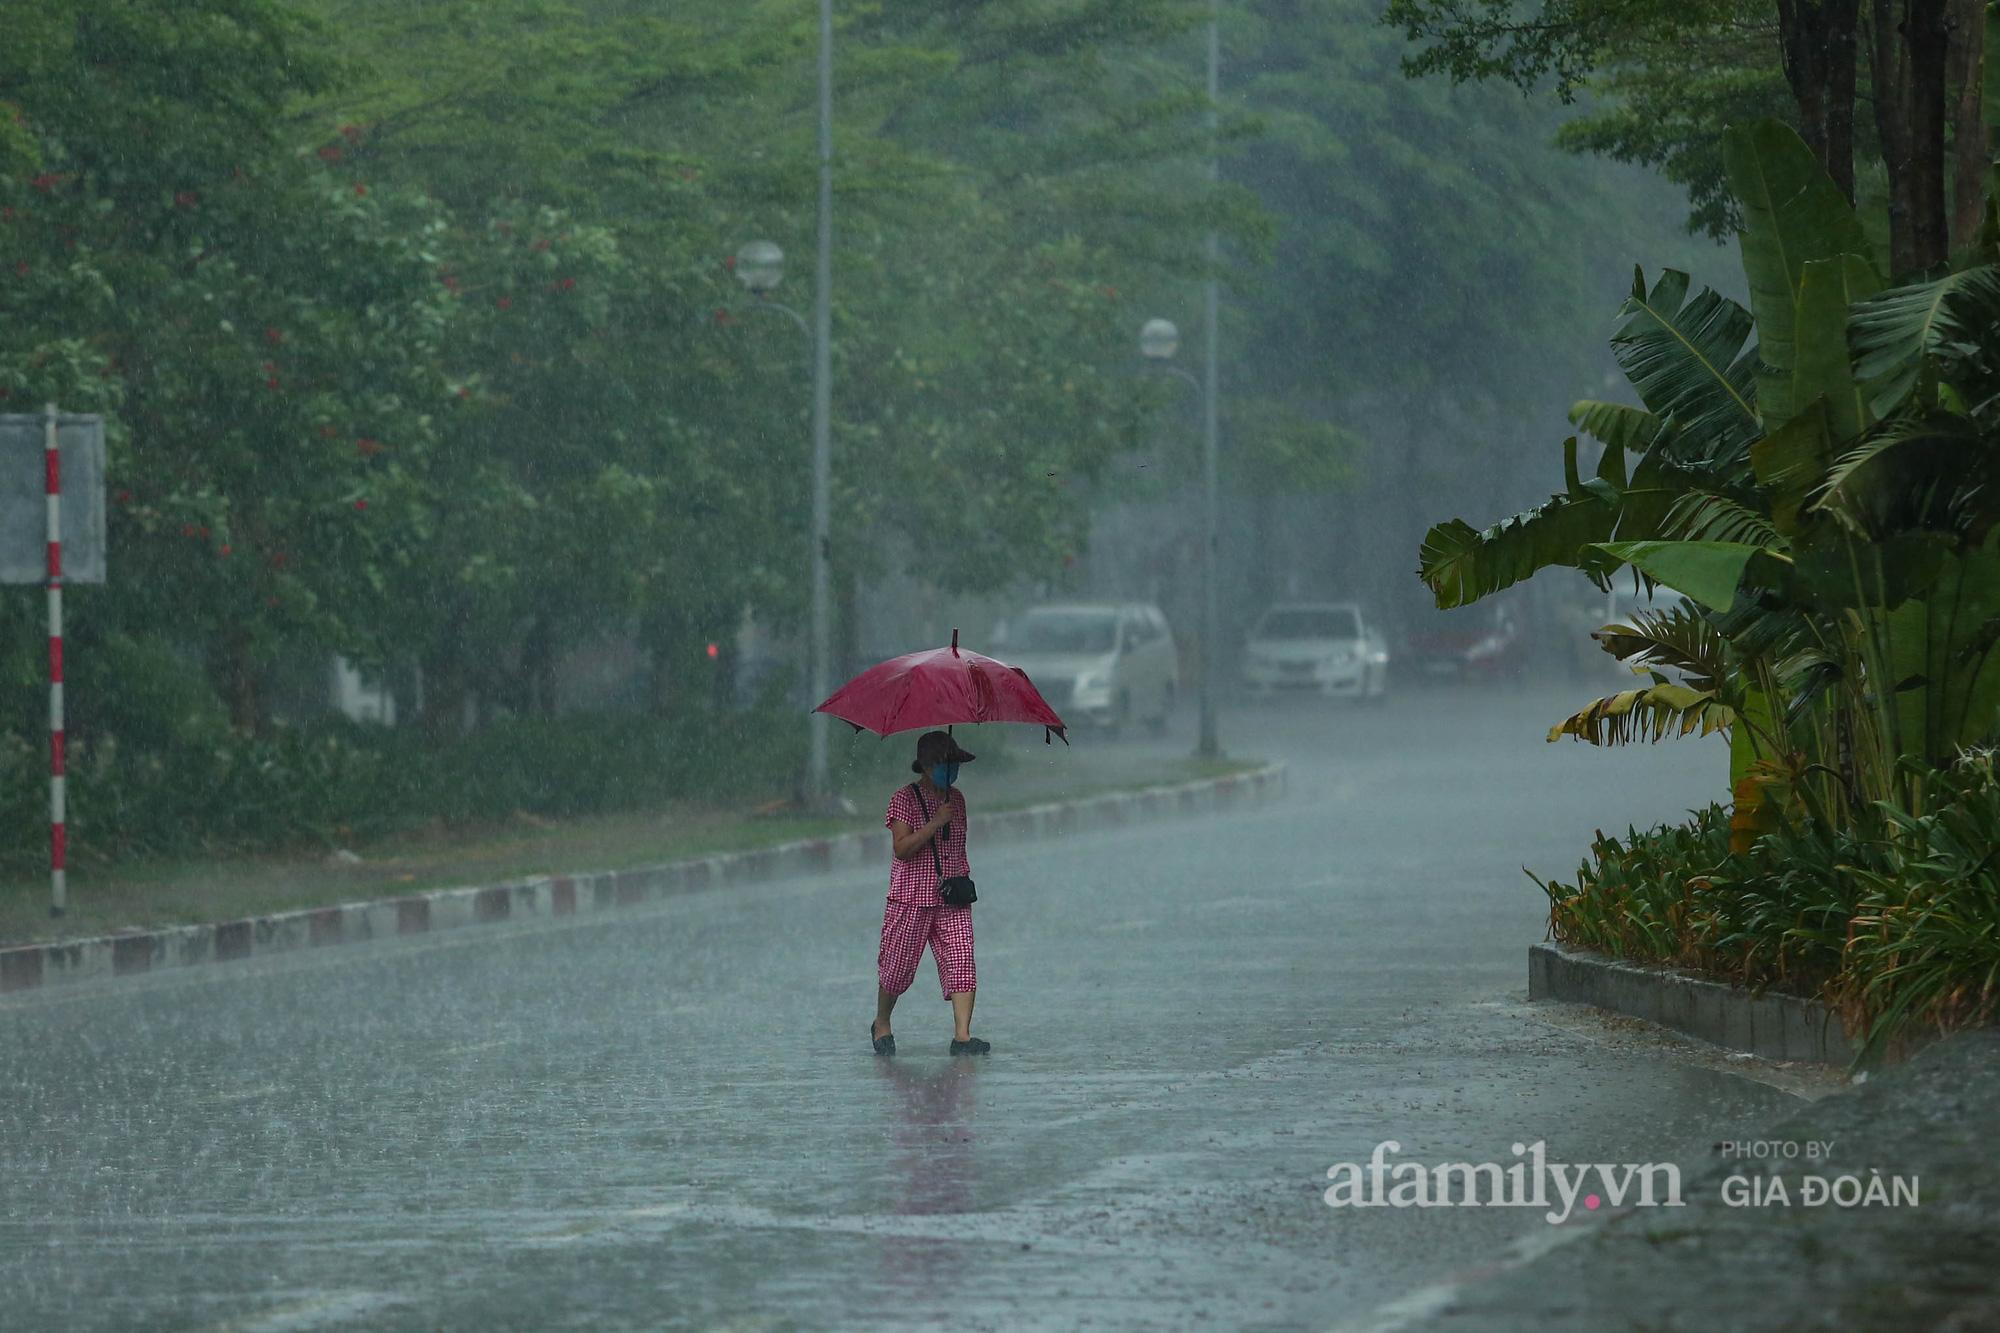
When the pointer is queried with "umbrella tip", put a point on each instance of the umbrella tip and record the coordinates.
(954, 641)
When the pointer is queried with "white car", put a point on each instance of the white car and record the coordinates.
(1103, 663)
(1328, 647)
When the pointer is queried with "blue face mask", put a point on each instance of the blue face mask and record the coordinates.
(944, 774)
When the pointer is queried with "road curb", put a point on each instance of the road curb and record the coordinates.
(1774, 1026)
(132, 952)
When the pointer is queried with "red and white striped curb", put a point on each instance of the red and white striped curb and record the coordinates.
(130, 952)
(58, 816)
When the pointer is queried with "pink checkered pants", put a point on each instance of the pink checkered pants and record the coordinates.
(905, 931)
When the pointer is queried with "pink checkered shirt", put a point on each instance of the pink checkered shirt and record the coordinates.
(915, 881)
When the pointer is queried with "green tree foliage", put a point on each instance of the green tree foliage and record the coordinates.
(416, 331)
(1670, 77)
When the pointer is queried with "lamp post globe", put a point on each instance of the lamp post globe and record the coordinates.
(1159, 339)
(759, 266)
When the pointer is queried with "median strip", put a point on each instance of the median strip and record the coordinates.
(129, 953)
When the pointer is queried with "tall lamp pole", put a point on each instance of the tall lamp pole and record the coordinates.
(817, 792)
(759, 266)
(1158, 341)
(1211, 634)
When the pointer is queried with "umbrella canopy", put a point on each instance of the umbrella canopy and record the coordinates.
(938, 687)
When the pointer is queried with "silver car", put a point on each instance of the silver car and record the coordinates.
(1325, 647)
(1099, 662)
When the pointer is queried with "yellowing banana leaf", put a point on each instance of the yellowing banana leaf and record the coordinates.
(1649, 713)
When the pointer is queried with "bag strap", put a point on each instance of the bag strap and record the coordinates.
(936, 860)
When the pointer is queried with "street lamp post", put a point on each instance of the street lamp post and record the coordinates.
(760, 265)
(1158, 341)
(817, 791)
(1208, 748)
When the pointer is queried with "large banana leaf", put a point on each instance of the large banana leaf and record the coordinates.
(1790, 462)
(1943, 663)
(1708, 572)
(1615, 424)
(1822, 368)
(1461, 564)
(1893, 332)
(1793, 215)
(1686, 358)
(1704, 516)
(1649, 713)
(1936, 470)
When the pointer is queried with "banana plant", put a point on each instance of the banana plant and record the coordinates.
(1826, 499)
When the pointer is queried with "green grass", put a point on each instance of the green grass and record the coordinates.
(179, 891)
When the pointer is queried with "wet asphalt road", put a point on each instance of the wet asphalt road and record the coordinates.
(673, 1119)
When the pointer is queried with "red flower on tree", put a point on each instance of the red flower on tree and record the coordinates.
(722, 316)
(330, 153)
(327, 432)
(351, 133)
(223, 550)
(45, 182)
(272, 384)
(361, 504)
(21, 269)
(367, 448)
(273, 336)
(186, 199)
(568, 284)
(505, 303)
(360, 189)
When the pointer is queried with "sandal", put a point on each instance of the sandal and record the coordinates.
(970, 1046)
(884, 1044)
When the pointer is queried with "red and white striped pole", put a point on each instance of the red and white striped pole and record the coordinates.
(58, 835)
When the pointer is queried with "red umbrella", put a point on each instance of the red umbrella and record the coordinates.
(936, 688)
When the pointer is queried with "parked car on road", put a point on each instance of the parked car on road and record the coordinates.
(1103, 663)
(1328, 647)
(1474, 644)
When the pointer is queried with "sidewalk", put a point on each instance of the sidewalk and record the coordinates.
(1738, 1257)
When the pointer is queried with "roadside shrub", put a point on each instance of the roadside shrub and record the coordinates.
(333, 780)
(1893, 920)
(1633, 896)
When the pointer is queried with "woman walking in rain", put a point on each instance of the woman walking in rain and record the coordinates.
(926, 820)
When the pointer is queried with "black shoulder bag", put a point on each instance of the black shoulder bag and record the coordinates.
(956, 891)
